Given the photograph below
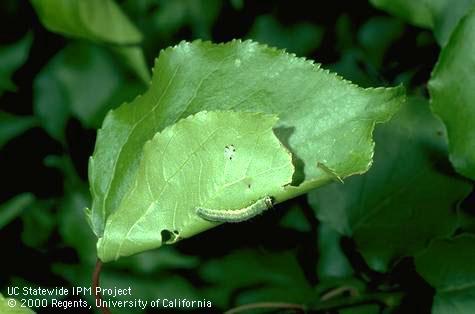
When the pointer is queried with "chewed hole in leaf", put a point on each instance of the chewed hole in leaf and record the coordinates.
(229, 151)
(168, 236)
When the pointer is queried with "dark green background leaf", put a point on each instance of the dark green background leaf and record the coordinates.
(332, 262)
(452, 90)
(90, 19)
(98, 21)
(13, 208)
(13, 57)
(83, 81)
(449, 266)
(441, 16)
(397, 207)
(255, 276)
(300, 38)
(12, 126)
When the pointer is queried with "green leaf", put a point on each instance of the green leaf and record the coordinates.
(247, 276)
(11, 126)
(362, 309)
(73, 227)
(452, 90)
(349, 66)
(167, 258)
(167, 286)
(362, 53)
(237, 4)
(322, 118)
(377, 35)
(449, 266)
(38, 224)
(439, 15)
(397, 207)
(295, 218)
(12, 57)
(189, 165)
(64, 88)
(198, 15)
(98, 21)
(202, 15)
(300, 38)
(7, 308)
(416, 12)
(332, 262)
(133, 58)
(14, 207)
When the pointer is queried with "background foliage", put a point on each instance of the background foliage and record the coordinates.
(398, 239)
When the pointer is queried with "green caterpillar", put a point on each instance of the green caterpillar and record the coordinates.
(237, 215)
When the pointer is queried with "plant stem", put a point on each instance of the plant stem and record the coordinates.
(386, 299)
(96, 283)
(267, 305)
(338, 292)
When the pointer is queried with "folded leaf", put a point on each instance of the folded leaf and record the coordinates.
(323, 119)
(218, 160)
(452, 90)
